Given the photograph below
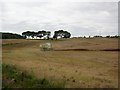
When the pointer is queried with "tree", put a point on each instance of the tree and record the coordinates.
(27, 33)
(108, 36)
(55, 35)
(48, 34)
(24, 34)
(62, 34)
(33, 34)
(41, 33)
(67, 34)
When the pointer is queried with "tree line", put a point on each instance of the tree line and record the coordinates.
(41, 34)
(10, 36)
(47, 34)
(97, 36)
(108, 36)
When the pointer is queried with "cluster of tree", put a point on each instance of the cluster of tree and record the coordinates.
(97, 36)
(108, 36)
(11, 36)
(62, 34)
(39, 34)
(112, 36)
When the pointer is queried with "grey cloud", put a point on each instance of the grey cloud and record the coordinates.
(80, 18)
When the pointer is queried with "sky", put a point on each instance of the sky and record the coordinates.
(79, 17)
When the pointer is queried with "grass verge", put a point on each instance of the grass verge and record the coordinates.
(13, 78)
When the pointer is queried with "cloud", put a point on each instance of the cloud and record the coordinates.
(80, 18)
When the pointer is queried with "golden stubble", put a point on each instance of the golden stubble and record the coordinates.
(76, 68)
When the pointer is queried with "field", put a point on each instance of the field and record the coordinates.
(80, 63)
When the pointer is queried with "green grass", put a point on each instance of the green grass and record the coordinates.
(13, 78)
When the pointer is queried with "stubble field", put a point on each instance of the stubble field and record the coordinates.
(81, 63)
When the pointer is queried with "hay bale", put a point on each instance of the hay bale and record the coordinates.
(46, 47)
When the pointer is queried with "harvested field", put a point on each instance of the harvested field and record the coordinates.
(80, 63)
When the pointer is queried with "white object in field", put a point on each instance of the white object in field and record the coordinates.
(46, 46)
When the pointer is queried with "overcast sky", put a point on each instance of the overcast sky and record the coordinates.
(79, 18)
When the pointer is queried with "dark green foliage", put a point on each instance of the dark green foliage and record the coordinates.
(40, 34)
(11, 36)
(0, 35)
(113, 36)
(62, 34)
(66, 34)
(13, 78)
(98, 36)
(48, 34)
(28, 33)
(37, 34)
(108, 36)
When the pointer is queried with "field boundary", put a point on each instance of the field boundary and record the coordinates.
(86, 50)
